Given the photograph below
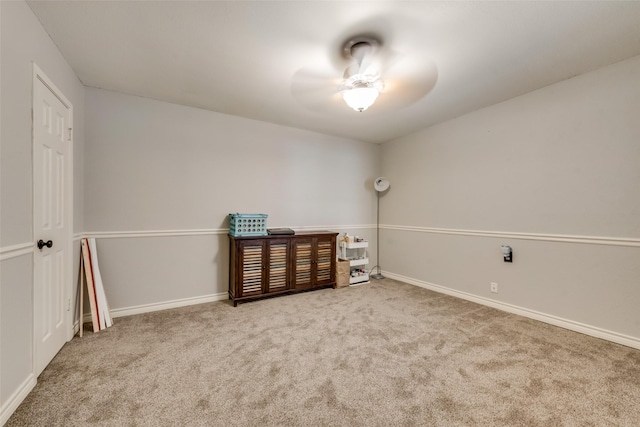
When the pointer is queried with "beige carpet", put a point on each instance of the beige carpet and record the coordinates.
(384, 354)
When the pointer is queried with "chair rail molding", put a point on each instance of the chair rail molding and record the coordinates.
(208, 231)
(567, 238)
(14, 251)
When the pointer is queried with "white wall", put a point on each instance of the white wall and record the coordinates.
(162, 178)
(542, 172)
(24, 41)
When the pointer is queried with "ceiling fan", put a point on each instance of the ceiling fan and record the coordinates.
(366, 71)
(362, 83)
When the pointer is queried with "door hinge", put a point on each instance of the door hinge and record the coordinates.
(69, 134)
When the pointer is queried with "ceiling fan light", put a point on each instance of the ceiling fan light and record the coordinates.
(360, 98)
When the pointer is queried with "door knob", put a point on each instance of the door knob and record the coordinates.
(42, 244)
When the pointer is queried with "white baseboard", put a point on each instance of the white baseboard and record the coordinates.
(165, 305)
(525, 312)
(16, 399)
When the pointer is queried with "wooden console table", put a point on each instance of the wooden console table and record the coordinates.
(271, 265)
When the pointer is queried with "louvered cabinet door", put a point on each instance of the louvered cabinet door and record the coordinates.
(278, 273)
(303, 271)
(325, 266)
(251, 268)
(314, 261)
(275, 264)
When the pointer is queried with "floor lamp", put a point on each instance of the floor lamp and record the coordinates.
(381, 185)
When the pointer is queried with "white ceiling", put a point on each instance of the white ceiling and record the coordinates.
(251, 58)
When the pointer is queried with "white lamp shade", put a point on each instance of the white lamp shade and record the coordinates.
(381, 184)
(360, 98)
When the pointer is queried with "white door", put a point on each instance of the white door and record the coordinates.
(52, 191)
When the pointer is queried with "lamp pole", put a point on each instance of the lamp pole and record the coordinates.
(378, 275)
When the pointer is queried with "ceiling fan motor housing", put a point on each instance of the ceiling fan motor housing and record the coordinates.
(362, 50)
(360, 45)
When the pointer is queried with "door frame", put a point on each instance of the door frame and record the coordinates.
(39, 75)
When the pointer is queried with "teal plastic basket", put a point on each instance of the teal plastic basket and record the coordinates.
(247, 224)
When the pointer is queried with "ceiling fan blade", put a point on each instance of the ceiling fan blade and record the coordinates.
(385, 61)
(317, 91)
(404, 89)
(351, 70)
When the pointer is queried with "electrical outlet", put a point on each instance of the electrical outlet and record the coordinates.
(494, 287)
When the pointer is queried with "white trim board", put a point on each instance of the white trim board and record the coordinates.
(17, 398)
(14, 251)
(571, 325)
(593, 240)
(159, 306)
(207, 231)
(152, 233)
(333, 227)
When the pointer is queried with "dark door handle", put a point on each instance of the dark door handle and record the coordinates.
(42, 244)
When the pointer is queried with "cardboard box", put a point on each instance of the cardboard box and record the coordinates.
(342, 278)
